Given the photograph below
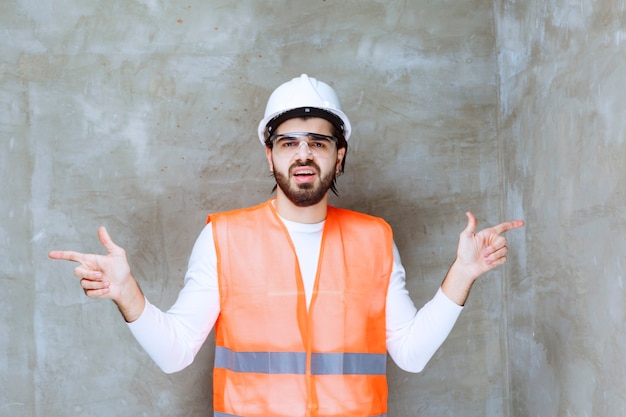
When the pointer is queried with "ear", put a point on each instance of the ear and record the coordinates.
(340, 154)
(268, 155)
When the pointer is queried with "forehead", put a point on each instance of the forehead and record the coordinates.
(309, 124)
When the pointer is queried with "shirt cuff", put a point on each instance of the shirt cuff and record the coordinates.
(446, 306)
(144, 321)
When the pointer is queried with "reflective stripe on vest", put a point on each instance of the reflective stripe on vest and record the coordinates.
(216, 414)
(295, 362)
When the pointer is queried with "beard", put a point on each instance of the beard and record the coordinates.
(305, 195)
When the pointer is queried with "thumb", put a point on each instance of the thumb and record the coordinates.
(106, 240)
(472, 223)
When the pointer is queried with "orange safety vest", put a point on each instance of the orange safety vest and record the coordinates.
(274, 358)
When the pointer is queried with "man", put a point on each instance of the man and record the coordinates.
(306, 298)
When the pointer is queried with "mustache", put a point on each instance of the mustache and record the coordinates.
(310, 164)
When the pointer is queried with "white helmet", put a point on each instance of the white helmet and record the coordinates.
(303, 96)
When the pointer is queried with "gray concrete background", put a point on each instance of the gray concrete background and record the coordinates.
(562, 119)
(141, 116)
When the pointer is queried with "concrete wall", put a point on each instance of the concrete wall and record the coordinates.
(141, 116)
(563, 130)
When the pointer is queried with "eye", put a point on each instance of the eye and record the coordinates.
(286, 142)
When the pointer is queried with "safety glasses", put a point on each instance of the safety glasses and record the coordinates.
(289, 143)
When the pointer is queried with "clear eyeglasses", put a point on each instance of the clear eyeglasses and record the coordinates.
(290, 143)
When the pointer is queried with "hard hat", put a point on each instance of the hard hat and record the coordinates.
(303, 96)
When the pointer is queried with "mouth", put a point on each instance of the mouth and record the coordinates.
(303, 174)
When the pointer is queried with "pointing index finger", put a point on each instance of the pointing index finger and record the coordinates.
(503, 227)
(67, 255)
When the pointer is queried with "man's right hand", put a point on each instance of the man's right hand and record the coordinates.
(107, 276)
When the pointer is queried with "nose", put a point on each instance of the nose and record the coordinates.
(304, 152)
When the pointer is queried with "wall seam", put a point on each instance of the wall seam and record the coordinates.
(504, 327)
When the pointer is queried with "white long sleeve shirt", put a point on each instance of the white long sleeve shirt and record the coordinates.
(173, 338)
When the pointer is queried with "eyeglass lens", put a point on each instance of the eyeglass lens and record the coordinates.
(291, 142)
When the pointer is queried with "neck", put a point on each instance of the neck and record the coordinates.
(311, 214)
